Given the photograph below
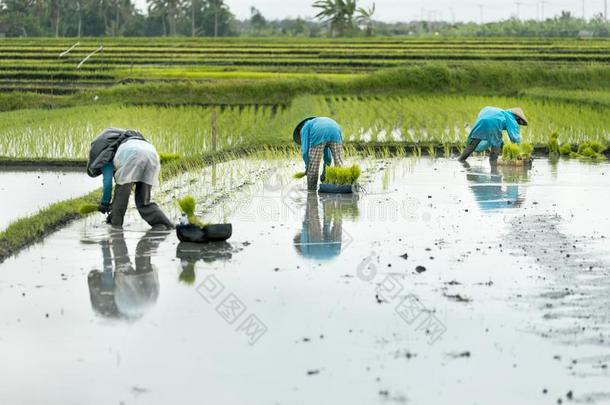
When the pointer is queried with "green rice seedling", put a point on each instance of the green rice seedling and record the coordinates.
(565, 149)
(574, 155)
(595, 146)
(553, 144)
(525, 150)
(385, 181)
(168, 157)
(87, 209)
(356, 172)
(188, 205)
(590, 150)
(299, 175)
(342, 175)
(446, 150)
(510, 152)
(513, 152)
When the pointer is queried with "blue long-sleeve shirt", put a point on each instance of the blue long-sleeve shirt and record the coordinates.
(107, 173)
(489, 126)
(316, 132)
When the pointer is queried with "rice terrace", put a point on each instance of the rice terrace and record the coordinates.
(368, 204)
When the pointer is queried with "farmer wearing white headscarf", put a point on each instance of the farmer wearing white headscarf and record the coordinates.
(487, 131)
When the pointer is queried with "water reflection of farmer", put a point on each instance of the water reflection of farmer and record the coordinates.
(121, 290)
(491, 192)
(487, 131)
(321, 238)
(132, 161)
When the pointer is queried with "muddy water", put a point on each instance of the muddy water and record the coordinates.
(435, 284)
(25, 192)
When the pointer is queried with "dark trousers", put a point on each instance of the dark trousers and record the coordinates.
(494, 152)
(149, 211)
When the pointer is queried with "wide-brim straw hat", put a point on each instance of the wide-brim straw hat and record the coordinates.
(519, 113)
(296, 134)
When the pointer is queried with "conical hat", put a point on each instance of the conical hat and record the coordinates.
(519, 113)
(296, 134)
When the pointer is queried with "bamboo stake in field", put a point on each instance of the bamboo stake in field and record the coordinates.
(101, 48)
(64, 53)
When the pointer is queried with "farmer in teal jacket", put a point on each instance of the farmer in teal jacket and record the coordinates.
(487, 131)
(319, 137)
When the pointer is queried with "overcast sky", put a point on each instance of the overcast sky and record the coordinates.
(406, 10)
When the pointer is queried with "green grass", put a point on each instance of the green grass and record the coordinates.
(26, 231)
(600, 98)
(236, 87)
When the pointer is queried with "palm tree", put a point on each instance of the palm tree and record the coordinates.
(365, 17)
(167, 10)
(339, 14)
(217, 7)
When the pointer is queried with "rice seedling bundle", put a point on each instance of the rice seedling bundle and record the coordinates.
(87, 209)
(342, 175)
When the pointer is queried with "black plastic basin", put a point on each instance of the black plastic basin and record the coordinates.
(208, 233)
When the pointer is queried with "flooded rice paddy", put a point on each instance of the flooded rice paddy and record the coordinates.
(26, 191)
(435, 283)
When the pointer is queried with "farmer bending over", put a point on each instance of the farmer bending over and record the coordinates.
(131, 160)
(487, 131)
(318, 136)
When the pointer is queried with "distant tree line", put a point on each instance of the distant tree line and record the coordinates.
(213, 18)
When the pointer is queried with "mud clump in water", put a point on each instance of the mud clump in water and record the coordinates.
(420, 269)
(457, 297)
(379, 299)
(464, 354)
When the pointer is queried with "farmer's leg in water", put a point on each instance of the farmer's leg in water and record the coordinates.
(336, 150)
(494, 153)
(313, 168)
(150, 211)
(120, 203)
(469, 149)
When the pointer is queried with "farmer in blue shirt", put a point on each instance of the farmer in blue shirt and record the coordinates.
(487, 131)
(319, 137)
